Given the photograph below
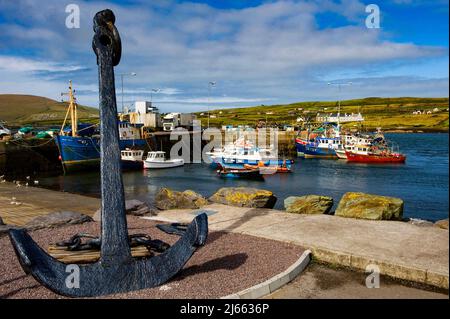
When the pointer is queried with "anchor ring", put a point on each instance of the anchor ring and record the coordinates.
(106, 35)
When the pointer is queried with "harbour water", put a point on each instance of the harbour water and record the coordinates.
(422, 182)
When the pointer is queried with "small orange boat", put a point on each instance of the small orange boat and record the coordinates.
(269, 169)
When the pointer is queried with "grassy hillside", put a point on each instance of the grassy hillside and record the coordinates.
(29, 109)
(388, 113)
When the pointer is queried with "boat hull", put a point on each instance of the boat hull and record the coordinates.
(83, 153)
(300, 146)
(240, 164)
(243, 174)
(317, 152)
(131, 165)
(341, 154)
(79, 153)
(160, 165)
(372, 158)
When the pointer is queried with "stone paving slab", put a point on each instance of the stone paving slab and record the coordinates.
(34, 201)
(401, 250)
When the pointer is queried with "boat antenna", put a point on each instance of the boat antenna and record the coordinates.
(339, 85)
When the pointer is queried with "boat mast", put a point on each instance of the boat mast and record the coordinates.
(72, 109)
(74, 115)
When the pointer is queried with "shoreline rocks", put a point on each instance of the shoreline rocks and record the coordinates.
(169, 199)
(368, 206)
(244, 197)
(309, 204)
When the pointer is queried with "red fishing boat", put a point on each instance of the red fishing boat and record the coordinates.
(371, 154)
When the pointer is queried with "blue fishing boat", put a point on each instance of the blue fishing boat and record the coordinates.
(323, 147)
(300, 145)
(78, 153)
(79, 147)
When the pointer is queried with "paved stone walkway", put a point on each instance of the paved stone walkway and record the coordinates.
(18, 205)
(322, 282)
(401, 250)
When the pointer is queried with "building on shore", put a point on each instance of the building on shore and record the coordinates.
(145, 114)
(173, 120)
(339, 118)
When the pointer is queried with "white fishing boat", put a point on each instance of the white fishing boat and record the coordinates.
(158, 160)
(131, 159)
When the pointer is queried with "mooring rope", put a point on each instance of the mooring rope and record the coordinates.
(30, 146)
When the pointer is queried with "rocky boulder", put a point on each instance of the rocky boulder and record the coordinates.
(442, 223)
(244, 197)
(57, 219)
(309, 204)
(1, 222)
(170, 199)
(367, 206)
(132, 207)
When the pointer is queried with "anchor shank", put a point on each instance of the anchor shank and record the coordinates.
(114, 224)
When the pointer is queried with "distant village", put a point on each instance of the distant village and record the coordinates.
(148, 116)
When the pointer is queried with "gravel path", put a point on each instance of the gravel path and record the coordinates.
(227, 264)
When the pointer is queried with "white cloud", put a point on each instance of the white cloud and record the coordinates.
(273, 52)
(17, 64)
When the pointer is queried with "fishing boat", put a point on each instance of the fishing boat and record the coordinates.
(350, 141)
(158, 160)
(79, 146)
(378, 151)
(321, 143)
(132, 159)
(253, 174)
(242, 151)
(300, 145)
(323, 147)
(365, 155)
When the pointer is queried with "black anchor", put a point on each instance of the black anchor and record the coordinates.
(117, 271)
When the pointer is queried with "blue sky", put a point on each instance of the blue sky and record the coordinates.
(258, 52)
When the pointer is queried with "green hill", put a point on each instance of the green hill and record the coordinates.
(388, 113)
(29, 109)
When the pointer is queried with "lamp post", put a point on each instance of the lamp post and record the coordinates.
(210, 85)
(121, 78)
(339, 85)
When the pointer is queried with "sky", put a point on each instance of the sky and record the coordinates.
(258, 52)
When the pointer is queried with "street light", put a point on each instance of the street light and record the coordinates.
(151, 94)
(210, 85)
(339, 85)
(121, 77)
